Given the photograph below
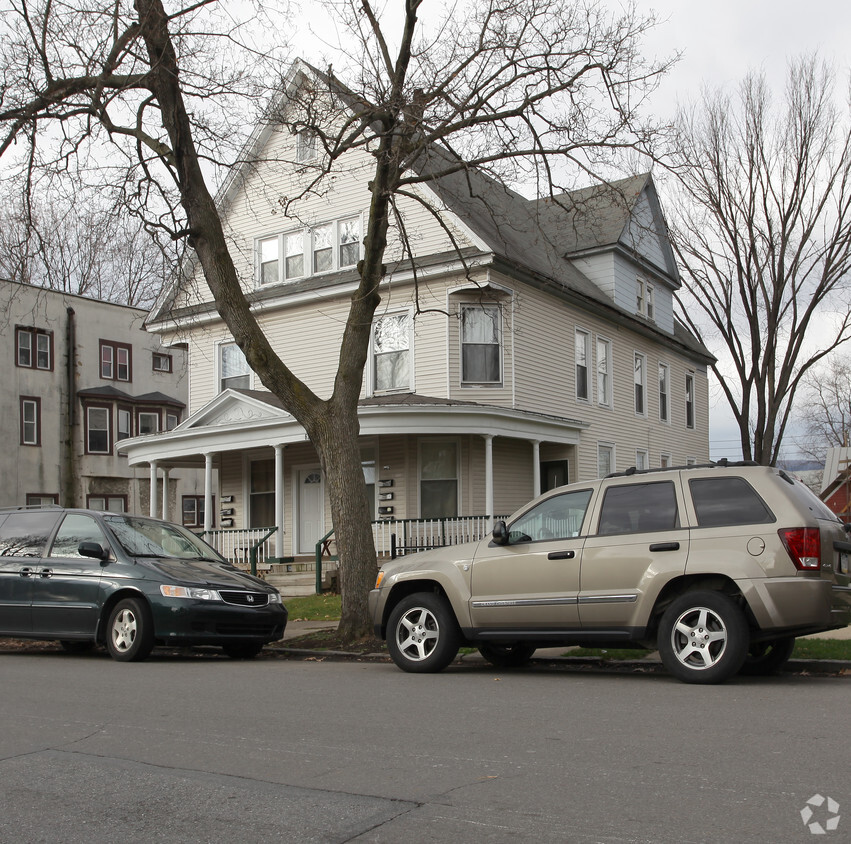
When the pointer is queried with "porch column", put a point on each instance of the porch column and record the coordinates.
(489, 479)
(152, 507)
(536, 468)
(208, 493)
(279, 500)
(165, 493)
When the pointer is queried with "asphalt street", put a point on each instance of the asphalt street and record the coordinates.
(196, 749)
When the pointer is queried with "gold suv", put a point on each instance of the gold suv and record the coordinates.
(719, 567)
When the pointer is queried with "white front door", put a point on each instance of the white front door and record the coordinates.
(310, 510)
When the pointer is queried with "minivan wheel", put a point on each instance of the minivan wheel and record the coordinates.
(703, 637)
(507, 656)
(769, 657)
(422, 633)
(130, 631)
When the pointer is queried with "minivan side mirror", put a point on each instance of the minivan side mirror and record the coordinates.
(93, 549)
(500, 533)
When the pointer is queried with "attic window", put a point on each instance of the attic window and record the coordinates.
(644, 300)
(305, 146)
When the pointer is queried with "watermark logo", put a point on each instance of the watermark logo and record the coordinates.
(820, 815)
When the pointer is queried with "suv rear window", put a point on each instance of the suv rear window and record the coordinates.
(639, 508)
(727, 501)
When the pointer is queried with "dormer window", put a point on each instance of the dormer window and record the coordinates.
(306, 146)
(644, 304)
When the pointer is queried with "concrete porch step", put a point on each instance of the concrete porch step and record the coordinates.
(296, 584)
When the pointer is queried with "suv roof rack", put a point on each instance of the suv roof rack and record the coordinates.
(712, 464)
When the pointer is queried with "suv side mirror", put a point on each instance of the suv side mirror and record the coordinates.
(500, 533)
(93, 549)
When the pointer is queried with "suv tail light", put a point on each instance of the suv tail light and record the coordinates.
(804, 547)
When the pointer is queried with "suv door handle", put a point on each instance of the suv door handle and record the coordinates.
(561, 555)
(665, 546)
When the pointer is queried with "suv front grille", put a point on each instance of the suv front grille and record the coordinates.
(245, 599)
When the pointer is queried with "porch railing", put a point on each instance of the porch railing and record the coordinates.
(396, 537)
(248, 548)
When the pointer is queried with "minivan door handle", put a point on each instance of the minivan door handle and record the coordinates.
(46, 572)
(665, 546)
(561, 555)
(26, 571)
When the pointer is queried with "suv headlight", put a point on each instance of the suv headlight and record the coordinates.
(191, 592)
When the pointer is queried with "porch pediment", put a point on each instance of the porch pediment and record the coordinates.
(231, 408)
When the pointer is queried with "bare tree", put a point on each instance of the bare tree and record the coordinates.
(762, 230)
(528, 90)
(81, 246)
(826, 398)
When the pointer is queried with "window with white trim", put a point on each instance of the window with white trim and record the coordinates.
(270, 271)
(110, 503)
(438, 479)
(98, 439)
(323, 248)
(664, 460)
(234, 371)
(582, 347)
(349, 242)
(645, 299)
(689, 400)
(605, 459)
(642, 459)
(34, 348)
(161, 362)
(125, 422)
(604, 372)
(306, 146)
(294, 255)
(147, 422)
(480, 344)
(391, 353)
(640, 384)
(30, 420)
(664, 390)
(115, 361)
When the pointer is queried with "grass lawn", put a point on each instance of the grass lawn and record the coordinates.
(313, 608)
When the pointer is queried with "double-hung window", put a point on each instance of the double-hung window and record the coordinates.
(644, 299)
(34, 348)
(30, 420)
(640, 384)
(480, 344)
(323, 248)
(689, 400)
(98, 440)
(582, 345)
(306, 146)
(270, 269)
(391, 351)
(233, 368)
(605, 459)
(115, 362)
(438, 479)
(664, 390)
(604, 372)
(294, 255)
(349, 242)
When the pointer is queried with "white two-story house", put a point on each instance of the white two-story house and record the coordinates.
(524, 344)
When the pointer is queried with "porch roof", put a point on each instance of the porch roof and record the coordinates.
(241, 419)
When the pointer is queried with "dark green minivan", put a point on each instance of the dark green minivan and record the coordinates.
(128, 583)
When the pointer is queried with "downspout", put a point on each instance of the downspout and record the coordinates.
(68, 460)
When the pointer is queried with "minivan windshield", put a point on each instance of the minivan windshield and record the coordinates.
(141, 537)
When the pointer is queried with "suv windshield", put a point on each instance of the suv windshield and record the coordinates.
(150, 538)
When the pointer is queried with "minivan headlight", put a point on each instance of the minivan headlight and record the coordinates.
(275, 598)
(192, 592)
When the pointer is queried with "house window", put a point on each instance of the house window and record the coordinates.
(640, 384)
(261, 507)
(161, 362)
(391, 348)
(115, 361)
(665, 461)
(294, 247)
(438, 479)
(664, 379)
(644, 299)
(604, 372)
(367, 462)
(349, 234)
(582, 344)
(689, 400)
(306, 146)
(97, 430)
(642, 460)
(110, 503)
(35, 348)
(193, 510)
(124, 430)
(147, 422)
(40, 499)
(270, 271)
(605, 459)
(480, 344)
(233, 368)
(323, 248)
(30, 421)
(172, 420)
